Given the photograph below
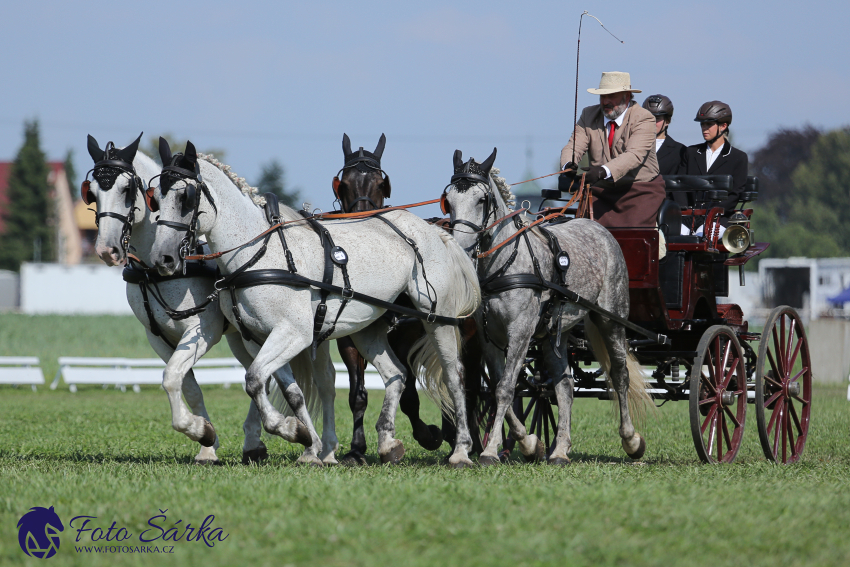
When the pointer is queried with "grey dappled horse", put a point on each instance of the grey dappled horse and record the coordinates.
(597, 272)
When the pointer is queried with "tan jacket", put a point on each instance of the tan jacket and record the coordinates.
(633, 156)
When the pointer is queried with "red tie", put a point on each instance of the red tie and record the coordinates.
(611, 135)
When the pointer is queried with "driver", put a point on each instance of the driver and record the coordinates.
(619, 138)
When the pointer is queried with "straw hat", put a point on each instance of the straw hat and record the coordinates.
(614, 82)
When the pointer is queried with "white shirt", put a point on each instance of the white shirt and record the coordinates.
(659, 143)
(710, 156)
(619, 122)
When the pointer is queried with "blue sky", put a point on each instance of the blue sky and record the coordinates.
(284, 80)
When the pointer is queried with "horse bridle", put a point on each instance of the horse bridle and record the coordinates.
(104, 172)
(169, 176)
(360, 158)
(463, 180)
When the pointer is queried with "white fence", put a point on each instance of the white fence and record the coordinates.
(21, 370)
(136, 372)
(82, 289)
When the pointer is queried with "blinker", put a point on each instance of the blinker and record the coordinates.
(335, 185)
(85, 192)
(444, 205)
(153, 206)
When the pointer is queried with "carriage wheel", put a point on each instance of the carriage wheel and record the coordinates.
(718, 396)
(783, 386)
(538, 408)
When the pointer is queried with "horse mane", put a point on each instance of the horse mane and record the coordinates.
(503, 187)
(251, 192)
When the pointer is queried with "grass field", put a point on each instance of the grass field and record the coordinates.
(114, 455)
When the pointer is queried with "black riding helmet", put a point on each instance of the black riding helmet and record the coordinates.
(659, 105)
(714, 111)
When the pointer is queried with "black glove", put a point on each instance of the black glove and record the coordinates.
(594, 174)
(566, 181)
(570, 165)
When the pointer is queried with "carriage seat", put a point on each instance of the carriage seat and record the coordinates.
(700, 188)
(751, 190)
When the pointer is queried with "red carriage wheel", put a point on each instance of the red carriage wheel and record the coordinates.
(783, 386)
(718, 396)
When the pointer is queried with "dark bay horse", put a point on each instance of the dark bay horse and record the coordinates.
(361, 185)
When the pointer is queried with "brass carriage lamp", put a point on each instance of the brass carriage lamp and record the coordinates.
(737, 236)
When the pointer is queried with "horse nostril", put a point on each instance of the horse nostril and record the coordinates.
(167, 260)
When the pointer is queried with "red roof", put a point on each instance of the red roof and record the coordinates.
(5, 171)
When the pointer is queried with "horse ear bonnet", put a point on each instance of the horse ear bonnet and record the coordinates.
(346, 146)
(94, 149)
(379, 149)
(128, 154)
(164, 151)
(457, 160)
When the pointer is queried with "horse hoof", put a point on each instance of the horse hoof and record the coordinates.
(302, 433)
(257, 455)
(353, 459)
(488, 461)
(207, 462)
(430, 441)
(559, 461)
(462, 465)
(394, 455)
(208, 440)
(539, 454)
(640, 450)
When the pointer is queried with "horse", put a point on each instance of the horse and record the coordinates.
(166, 307)
(289, 311)
(580, 255)
(362, 185)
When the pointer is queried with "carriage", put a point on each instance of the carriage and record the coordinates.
(705, 351)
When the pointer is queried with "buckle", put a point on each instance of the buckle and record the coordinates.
(347, 293)
(432, 317)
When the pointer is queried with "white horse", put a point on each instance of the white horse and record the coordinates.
(119, 180)
(516, 303)
(380, 264)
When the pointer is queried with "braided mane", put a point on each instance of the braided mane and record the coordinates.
(251, 192)
(504, 189)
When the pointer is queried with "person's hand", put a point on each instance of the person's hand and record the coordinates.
(594, 174)
(566, 181)
(570, 165)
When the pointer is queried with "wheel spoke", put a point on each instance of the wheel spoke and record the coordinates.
(732, 416)
(776, 372)
(727, 436)
(708, 418)
(732, 370)
(528, 409)
(784, 419)
(771, 399)
(778, 350)
(719, 422)
(787, 352)
(800, 373)
(796, 419)
(774, 415)
(792, 443)
(718, 368)
(801, 400)
(722, 368)
(793, 358)
(708, 401)
(552, 421)
(778, 413)
(712, 431)
(781, 352)
(708, 380)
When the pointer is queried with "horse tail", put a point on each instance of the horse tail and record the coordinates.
(302, 371)
(463, 298)
(638, 397)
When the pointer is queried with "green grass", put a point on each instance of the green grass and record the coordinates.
(114, 455)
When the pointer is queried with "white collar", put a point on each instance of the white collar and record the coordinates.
(619, 119)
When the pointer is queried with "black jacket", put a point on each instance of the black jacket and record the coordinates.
(670, 156)
(731, 161)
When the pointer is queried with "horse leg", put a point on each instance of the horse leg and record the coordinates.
(358, 398)
(253, 448)
(195, 398)
(372, 343)
(614, 337)
(473, 359)
(179, 363)
(563, 383)
(281, 346)
(428, 436)
(324, 377)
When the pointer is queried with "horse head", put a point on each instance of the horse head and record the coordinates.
(361, 184)
(183, 213)
(469, 199)
(114, 189)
